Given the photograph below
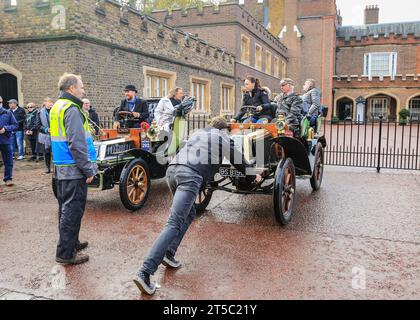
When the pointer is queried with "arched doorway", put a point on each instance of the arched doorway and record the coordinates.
(381, 105)
(345, 109)
(8, 87)
(10, 83)
(414, 107)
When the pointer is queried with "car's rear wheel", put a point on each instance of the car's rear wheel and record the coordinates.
(284, 194)
(318, 174)
(203, 200)
(135, 184)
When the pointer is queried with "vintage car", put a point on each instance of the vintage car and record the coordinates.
(280, 154)
(132, 158)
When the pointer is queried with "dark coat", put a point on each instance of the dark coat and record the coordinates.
(94, 117)
(291, 107)
(140, 107)
(31, 121)
(8, 122)
(258, 97)
(20, 116)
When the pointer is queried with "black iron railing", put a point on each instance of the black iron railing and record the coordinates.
(380, 145)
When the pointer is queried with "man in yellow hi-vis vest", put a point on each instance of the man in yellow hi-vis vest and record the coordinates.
(74, 160)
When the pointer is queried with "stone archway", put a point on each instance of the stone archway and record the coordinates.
(345, 108)
(382, 104)
(414, 107)
(10, 83)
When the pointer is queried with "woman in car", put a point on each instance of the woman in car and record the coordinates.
(164, 112)
(257, 96)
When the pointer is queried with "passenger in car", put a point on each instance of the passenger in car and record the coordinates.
(164, 112)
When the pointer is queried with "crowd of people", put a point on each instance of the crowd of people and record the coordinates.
(30, 124)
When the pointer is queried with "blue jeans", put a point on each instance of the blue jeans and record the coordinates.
(258, 121)
(18, 137)
(314, 121)
(7, 156)
(185, 185)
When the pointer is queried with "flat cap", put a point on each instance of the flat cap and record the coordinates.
(287, 81)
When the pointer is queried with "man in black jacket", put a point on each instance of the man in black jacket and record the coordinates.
(135, 107)
(18, 136)
(31, 130)
(194, 166)
(93, 115)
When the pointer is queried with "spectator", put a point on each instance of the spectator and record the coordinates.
(31, 130)
(8, 125)
(18, 135)
(44, 137)
(93, 115)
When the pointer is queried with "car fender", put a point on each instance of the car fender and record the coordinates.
(294, 149)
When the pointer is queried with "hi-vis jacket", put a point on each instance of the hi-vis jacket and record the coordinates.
(73, 151)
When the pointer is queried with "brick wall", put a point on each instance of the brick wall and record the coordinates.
(109, 50)
(350, 60)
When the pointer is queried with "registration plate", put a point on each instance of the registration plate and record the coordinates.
(231, 173)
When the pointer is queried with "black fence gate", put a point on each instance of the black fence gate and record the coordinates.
(380, 145)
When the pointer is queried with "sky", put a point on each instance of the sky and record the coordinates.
(390, 10)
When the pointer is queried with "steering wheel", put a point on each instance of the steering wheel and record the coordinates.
(126, 114)
(249, 109)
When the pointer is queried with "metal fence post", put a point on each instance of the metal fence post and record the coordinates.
(378, 168)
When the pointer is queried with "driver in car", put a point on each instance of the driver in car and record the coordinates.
(257, 96)
(133, 107)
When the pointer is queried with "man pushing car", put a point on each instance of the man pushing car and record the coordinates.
(193, 167)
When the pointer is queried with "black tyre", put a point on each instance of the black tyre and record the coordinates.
(284, 194)
(54, 186)
(318, 174)
(203, 200)
(135, 184)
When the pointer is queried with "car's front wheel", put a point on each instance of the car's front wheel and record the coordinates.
(135, 184)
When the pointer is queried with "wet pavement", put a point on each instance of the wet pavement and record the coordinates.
(357, 238)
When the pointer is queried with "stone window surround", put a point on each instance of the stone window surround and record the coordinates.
(150, 71)
(231, 98)
(245, 56)
(207, 93)
(268, 62)
(259, 58)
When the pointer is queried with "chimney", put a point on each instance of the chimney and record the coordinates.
(372, 14)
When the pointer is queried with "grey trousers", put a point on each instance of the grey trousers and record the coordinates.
(185, 186)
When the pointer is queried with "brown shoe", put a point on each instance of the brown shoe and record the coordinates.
(77, 259)
(9, 183)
